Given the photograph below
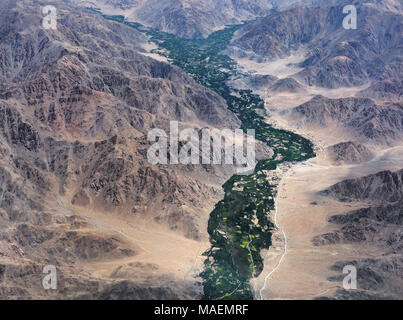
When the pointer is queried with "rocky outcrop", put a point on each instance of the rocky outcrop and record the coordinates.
(287, 85)
(278, 34)
(382, 187)
(350, 152)
(377, 279)
(388, 89)
(379, 225)
(128, 290)
(361, 116)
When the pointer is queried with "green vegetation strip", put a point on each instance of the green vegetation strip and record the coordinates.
(239, 227)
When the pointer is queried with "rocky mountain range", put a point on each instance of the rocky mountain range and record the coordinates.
(381, 123)
(330, 58)
(377, 223)
(335, 57)
(185, 18)
(198, 19)
(76, 105)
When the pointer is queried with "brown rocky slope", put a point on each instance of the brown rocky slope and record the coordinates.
(76, 105)
(378, 224)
